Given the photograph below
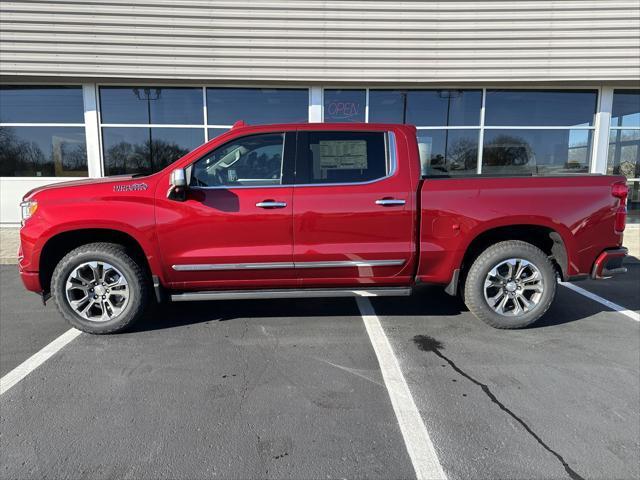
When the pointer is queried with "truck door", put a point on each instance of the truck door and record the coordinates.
(354, 209)
(235, 227)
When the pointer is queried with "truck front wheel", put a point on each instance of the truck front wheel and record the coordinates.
(510, 285)
(99, 288)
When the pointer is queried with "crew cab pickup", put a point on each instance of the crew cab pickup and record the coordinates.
(315, 210)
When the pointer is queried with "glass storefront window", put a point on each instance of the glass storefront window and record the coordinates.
(624, 146)
(426, 107)
(344, 105)
(536, 152)
(386, 106)
(448, 152)
(38, 104)
(624, 153)
(444, 107)
(225, 106)
(144, 105)
(43, 152)
(215, 132)
(540, 107)
(146, 150)
(626, 108)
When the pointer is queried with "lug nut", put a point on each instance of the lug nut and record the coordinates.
(95, 296)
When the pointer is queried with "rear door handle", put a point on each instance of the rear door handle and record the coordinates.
(271, 204)
(390, 202)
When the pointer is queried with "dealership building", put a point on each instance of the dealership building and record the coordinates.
(91, 88)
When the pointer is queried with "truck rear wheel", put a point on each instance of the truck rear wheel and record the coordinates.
(510, 285)
(99, 288)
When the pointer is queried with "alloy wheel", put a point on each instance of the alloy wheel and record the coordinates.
(513, 287)
(97, 291)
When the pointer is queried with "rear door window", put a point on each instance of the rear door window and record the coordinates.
(327, 157)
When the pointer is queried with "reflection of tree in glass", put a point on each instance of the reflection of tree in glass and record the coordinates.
(17, 156)
(624, 153)
(506, 150)
(74, 157)
(125, 157)
(463, 154)
(165, 153)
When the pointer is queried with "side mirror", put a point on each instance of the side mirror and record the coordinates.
(178, 185)
(178, 178)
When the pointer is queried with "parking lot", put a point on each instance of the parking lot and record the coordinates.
(303, 389)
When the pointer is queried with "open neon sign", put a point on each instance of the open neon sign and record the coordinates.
(343, 110)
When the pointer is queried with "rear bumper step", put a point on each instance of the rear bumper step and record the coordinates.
(291, 293)
(609, 263)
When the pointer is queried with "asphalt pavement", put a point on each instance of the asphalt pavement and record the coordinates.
(293, 389)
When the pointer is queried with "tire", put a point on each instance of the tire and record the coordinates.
(112, 299)
(494, 276)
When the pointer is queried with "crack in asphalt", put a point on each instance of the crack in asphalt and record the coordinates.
(430, 344)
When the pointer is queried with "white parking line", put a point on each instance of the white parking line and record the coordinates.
(416, 438)
(35, 360)
(613, 306)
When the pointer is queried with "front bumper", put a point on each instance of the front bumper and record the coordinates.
(609, 263)
(31, 281)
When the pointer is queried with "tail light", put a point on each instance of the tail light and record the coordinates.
(620, 190)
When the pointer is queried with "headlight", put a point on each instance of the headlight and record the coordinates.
(28, 209)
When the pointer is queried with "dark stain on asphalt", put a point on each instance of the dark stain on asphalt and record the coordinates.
(430, 344)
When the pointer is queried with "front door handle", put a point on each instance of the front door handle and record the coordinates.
(271, 204)
(390, 202)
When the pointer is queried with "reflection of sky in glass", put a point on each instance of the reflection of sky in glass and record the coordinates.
(626, 108)
(177, 105)
(540, 107)
(215, 132)
(257, 106)
(578, 138)
(630, 120)
(34, 104)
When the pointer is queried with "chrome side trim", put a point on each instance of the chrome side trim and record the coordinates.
(198, 267)
(291, 293)
(350, 263)
(268, 265)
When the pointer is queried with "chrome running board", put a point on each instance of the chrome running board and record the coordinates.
(291, 293)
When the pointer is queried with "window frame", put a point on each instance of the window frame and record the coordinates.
(390, 152)
(289, 145)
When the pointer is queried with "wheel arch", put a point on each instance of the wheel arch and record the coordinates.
(547, 239)
(62, 243)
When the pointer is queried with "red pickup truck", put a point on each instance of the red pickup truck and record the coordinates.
(315, 210)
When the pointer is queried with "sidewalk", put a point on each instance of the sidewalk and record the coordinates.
(9, 240)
